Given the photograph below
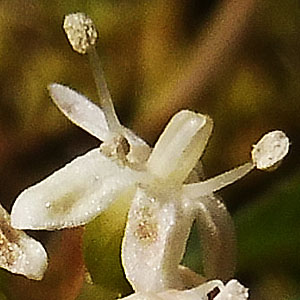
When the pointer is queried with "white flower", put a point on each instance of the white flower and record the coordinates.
(163, 204)
(20, 253)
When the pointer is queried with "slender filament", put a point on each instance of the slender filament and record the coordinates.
(214, 184)
(103, 92)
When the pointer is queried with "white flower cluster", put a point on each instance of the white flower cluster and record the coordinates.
(157, 182)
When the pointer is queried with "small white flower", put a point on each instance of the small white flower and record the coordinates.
(163, 204)
(20, 253)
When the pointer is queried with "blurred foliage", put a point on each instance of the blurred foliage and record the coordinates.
(268, 230)
(102, 250)
(2, 297)
(239, 64)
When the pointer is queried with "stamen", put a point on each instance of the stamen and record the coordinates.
(214, 184)
(82, 35)
(266, 154)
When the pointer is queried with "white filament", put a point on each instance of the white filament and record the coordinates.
(209, 186)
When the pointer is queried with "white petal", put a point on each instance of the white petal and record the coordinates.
(180, 146)
(80, 110)
(20, 253)
(73, 195)
(154, 242)
(217, 237)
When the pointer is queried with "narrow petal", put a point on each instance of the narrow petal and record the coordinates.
(80, 110)
(85, 114)
(20, 253)
(155, 239)
(180, 146)
(73, 195)
(217, 237)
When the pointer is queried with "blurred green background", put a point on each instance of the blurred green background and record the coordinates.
(237, 61)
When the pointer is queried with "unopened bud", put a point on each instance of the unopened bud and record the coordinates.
(270, 150)
(81, 32)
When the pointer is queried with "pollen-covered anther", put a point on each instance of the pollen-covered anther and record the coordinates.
(81, 32)
(270, 150)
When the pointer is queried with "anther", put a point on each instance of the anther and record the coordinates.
(270, 150)
(81, 32)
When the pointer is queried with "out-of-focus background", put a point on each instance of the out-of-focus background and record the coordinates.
(237, 61)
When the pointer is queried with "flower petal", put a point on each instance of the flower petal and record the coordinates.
(73, 195)
(180, 146)
(87, 115)
(217, 237)
(80, 110)
(20, 253)
(154, 242)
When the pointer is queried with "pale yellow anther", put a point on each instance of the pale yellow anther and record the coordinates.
(270, 150)
(81, 32)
